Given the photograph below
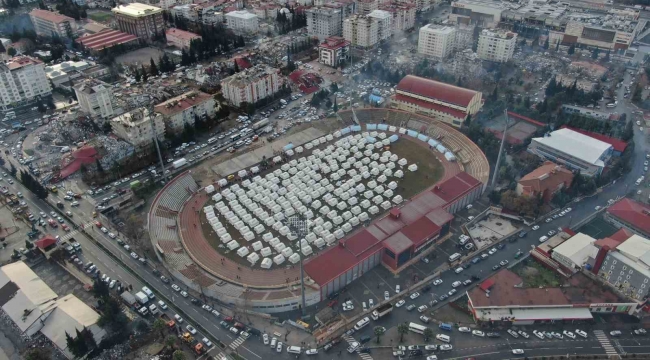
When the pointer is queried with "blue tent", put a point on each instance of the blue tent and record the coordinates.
(383, 127)
(345, 130)
(423, 137)
(371, 126)
(433, 143)
(370, 140)
(287, 147)
(412, 133)
(355, 128)
(393, 138)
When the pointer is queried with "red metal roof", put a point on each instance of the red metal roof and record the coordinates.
(487, 284)
(361, 241)
(617, 144)
(526, 119)
(633, 213)
(106, 39)
(621, 235)
(436, 90)
(85, 155)
(45, 242)
(454, 187)
(334, 42)
(243, 63)
(50, 16)
(429, 105)
(420, 231)
(398, 243)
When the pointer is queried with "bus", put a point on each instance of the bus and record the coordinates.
(235, 137)
(417, 328)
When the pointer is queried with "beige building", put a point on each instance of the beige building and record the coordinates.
(496, 45)
(141, 20)
(366, 31)
(365, 7)
(242, 22)
(23, 80)
(95, 98)
(333, 51)
(436, 41)
(184, 109)
(403, 15)
(180, 38)
(138, 127)
(251, 85)
(323, 22)
(49, 24)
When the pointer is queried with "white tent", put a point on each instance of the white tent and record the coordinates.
(253, 258)
(243, 251)
(413, 167)
(287, 252)
(386, 205)
(398, 174)
(225, 238)
(338, 233)
(209, 189)
(248, 236)
(265, 251)
(398, 199)
(373, 210)
(222, 182)
(319, 243)
(232, 245)
(294, 258)
(266, 263)
(346, 227)
(278, 259)
(257, 245)
(330, 238)
(306, 250)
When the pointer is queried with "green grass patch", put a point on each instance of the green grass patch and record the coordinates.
(535, 275)
(101, 16)
(29, 152)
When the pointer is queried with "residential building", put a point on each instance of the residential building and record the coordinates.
(444, 102)
(180, 38)
(496, 45)
(333, 51)
(421, 5)
(251, 85)
(33, 307)
(384, 23)
(365, 7)
(366, 31)
(138, 127)
(60, 74)
(141, 20)
(168, 4)
(590, 112)
(436, 41)
(206, 13)
(212, 17)
(631, 215)
(581, 84)
(242, 22)
(95, 98)
(23, 80)
(184, 109)
(464, 38)
(403, 15)
(545, 181)
(323, 22)
(573, 254)
(503, 298)
(574, 150)
(627, 268)
(49, 24)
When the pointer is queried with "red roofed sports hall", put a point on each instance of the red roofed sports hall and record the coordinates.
(396, 238)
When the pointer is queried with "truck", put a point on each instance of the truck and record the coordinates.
(53, 189)
(382, 311)
(75, 244)
(153, 309)
(129, 299)
(169, 321)
(143, 311)
(141, 297)
(260, 124)
(178, 163)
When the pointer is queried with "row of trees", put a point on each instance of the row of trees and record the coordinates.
(33, 185)
(289, 22)
(68, 8)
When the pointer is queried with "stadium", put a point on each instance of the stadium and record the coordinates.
(381, 189)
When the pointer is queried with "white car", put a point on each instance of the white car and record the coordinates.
(104, 230)
(539, 334)
(517, 351)
(456, 284)
(478, 333)
(178, 318)
(432, 357)
(569, 334)
(464, 329)
(191, 329)
(176, 287)
(437, 282)
(207, 342)
(415, 295)
(265, 338)
(397, 289)
(535, 227)
(184, 294)
(422, 308)
(581, 333)
(348, 306)
(311, 352)
(206, 307)
(162, 305)
(431, 347)
(111, 235)
(445, 347)
(400, 303)
(492, 251)
(386, 295)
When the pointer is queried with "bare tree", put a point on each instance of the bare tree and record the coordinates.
(134, 229)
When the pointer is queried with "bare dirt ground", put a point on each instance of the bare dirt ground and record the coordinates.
(140, 56)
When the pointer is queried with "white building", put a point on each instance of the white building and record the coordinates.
(365, 7)
(95, 98)
(49, 24)
(436, 41)
(168, 4)
(333, 51)
(496, 45)
(65, 71)
(403, 15)
(241, 21)
(23, 79)
(483, 13)
(366, 31)
(324, 22)
(251, 85)
(137, 127)
(184, 109)
(574, 252)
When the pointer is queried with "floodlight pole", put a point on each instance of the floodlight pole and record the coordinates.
(300, 227)
(503, 140)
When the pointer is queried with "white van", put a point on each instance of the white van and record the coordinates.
(364, 306)
(454, 257)
(362, 323)
(294, 349)
(443, 338)
(148, 292)
(543, 238)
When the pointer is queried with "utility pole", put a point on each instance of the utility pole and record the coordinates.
(149, 109)
(503, 140)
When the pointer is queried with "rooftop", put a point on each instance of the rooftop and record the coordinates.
(617, 144)
(136, 10)
(436, 90)
(438, 29)
(132, 118)
(334, 42)
(429, 105)
(105, 39)
(18, 62)
(636, 248)
(455, 187)
(242, 14)
(50, 16)
(380, 14)
(182, 34)
(546, 177)
(182, 102)
(634, 213)
(573, 143)
(572, 247)
(501, 34)
(507, 291)
(243, 78)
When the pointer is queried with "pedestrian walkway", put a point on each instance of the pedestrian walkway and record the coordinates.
(350, 340)
(71, 234)
(605, 343)
(238, 341)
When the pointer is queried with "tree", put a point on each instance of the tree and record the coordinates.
(636, 97)
(28, 245)
(171, 341)
(137, 75)
(594, 53)
(100, 289)
(428, 333)
(144, 74)
(557, 46)
(12, 170)
(468, 120)
(336, 106)
(11, 51)
(39, 353)
(379, 331)
(73, 346)
(236, 66)
(546, 44)
(334, 87)
(159, 326)
(178, 355)
(402, 329)
(572, 49)
(41, 108)
(153, 69)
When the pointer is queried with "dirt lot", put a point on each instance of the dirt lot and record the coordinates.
(140, 56)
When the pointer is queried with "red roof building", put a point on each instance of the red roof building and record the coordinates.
(106, 39)
(180, 38)
(631, 215)
(545, 181)
(243, 63)
(307, 82)
(72, 162)
(618, 145)
(333, 51)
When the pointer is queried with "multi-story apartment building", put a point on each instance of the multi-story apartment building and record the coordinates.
(403, 15)
(22, 80)
(464, 38)
(184, 109)
(95, 98)
(324, 22)
(384, 24)
(141, 20)
(365, 7)
(168, 4)
(180, 38)
(366, 31)
(333, 51)
(436, 41)
(496, 45)
(242, 22)
(49, 24)
(138, 127)
(627, 267)
(251, 85)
